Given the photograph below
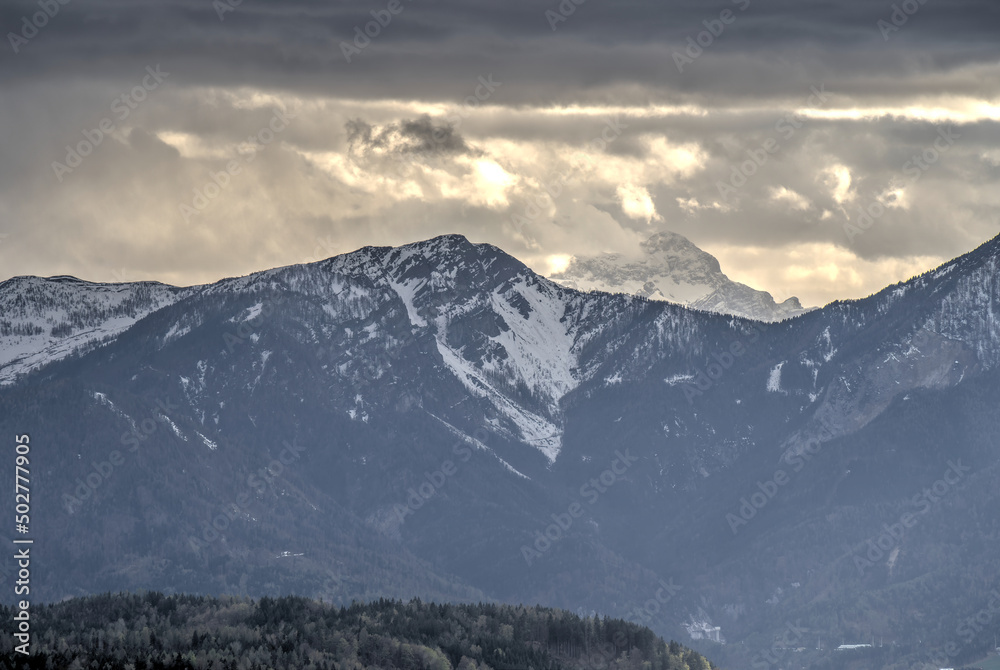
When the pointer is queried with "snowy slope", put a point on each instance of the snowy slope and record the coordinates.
(675, 270)
(44, 320)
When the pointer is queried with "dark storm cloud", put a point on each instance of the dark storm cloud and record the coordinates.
(416, 136)
(424, 47)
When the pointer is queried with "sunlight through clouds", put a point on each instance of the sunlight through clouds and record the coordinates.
(789, 198)
(636, 203)
(824, 272)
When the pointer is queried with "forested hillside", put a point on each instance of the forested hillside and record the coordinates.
(156, 632)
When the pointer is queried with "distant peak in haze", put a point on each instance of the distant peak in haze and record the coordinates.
(673, 269)
(674, 247)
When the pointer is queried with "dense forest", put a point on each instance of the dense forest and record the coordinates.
(152, 631)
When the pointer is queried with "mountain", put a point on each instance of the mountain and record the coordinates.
(436, 420)
(671, 268)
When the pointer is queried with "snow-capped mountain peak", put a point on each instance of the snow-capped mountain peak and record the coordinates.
(499, 328)
(672, 268)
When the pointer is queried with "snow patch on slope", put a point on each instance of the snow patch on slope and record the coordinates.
(208, 443)
(173, 426)
(539, 347)
(406, 292)
(533, 429)
(774, 379)
(674, 380)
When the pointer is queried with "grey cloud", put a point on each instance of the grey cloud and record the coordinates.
(415, 136)
(430, 47)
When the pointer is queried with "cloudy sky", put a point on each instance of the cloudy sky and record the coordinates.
(188, 140)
